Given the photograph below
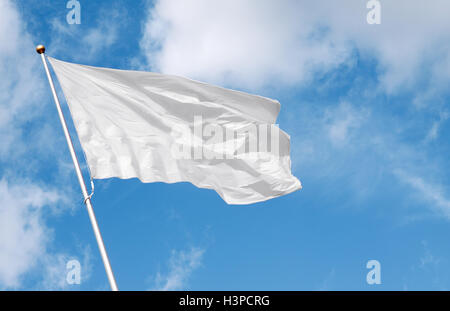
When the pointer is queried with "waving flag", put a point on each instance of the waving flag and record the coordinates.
(163, 128)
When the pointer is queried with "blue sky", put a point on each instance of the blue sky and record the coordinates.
(367, 108)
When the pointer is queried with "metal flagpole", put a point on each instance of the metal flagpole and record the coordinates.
(87, 200)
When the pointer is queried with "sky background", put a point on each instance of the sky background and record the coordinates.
(367, 108)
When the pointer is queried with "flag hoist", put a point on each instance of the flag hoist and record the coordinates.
(87, 198)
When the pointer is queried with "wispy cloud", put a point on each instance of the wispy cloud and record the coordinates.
(181, 265)
(432, 193)
(343, 121)
(54, 270)
(92, 41)
(428, 258)
(434, 130)
(428, 272)
(327, 282)
(368, 149)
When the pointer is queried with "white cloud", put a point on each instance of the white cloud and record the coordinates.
(26, 239)
(20, 90)
(23, 234)
(253, 43)
(181, 266)
(408, 38)
(246, 43)
(27, 144)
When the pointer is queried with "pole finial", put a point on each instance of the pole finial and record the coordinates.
(40, 49)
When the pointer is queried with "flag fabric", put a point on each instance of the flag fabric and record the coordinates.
(164, 128)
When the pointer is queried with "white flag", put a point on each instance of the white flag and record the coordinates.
(163, 128)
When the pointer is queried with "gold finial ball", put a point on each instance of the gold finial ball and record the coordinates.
(40, 49)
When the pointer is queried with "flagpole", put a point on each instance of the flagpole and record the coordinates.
(87, 200)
